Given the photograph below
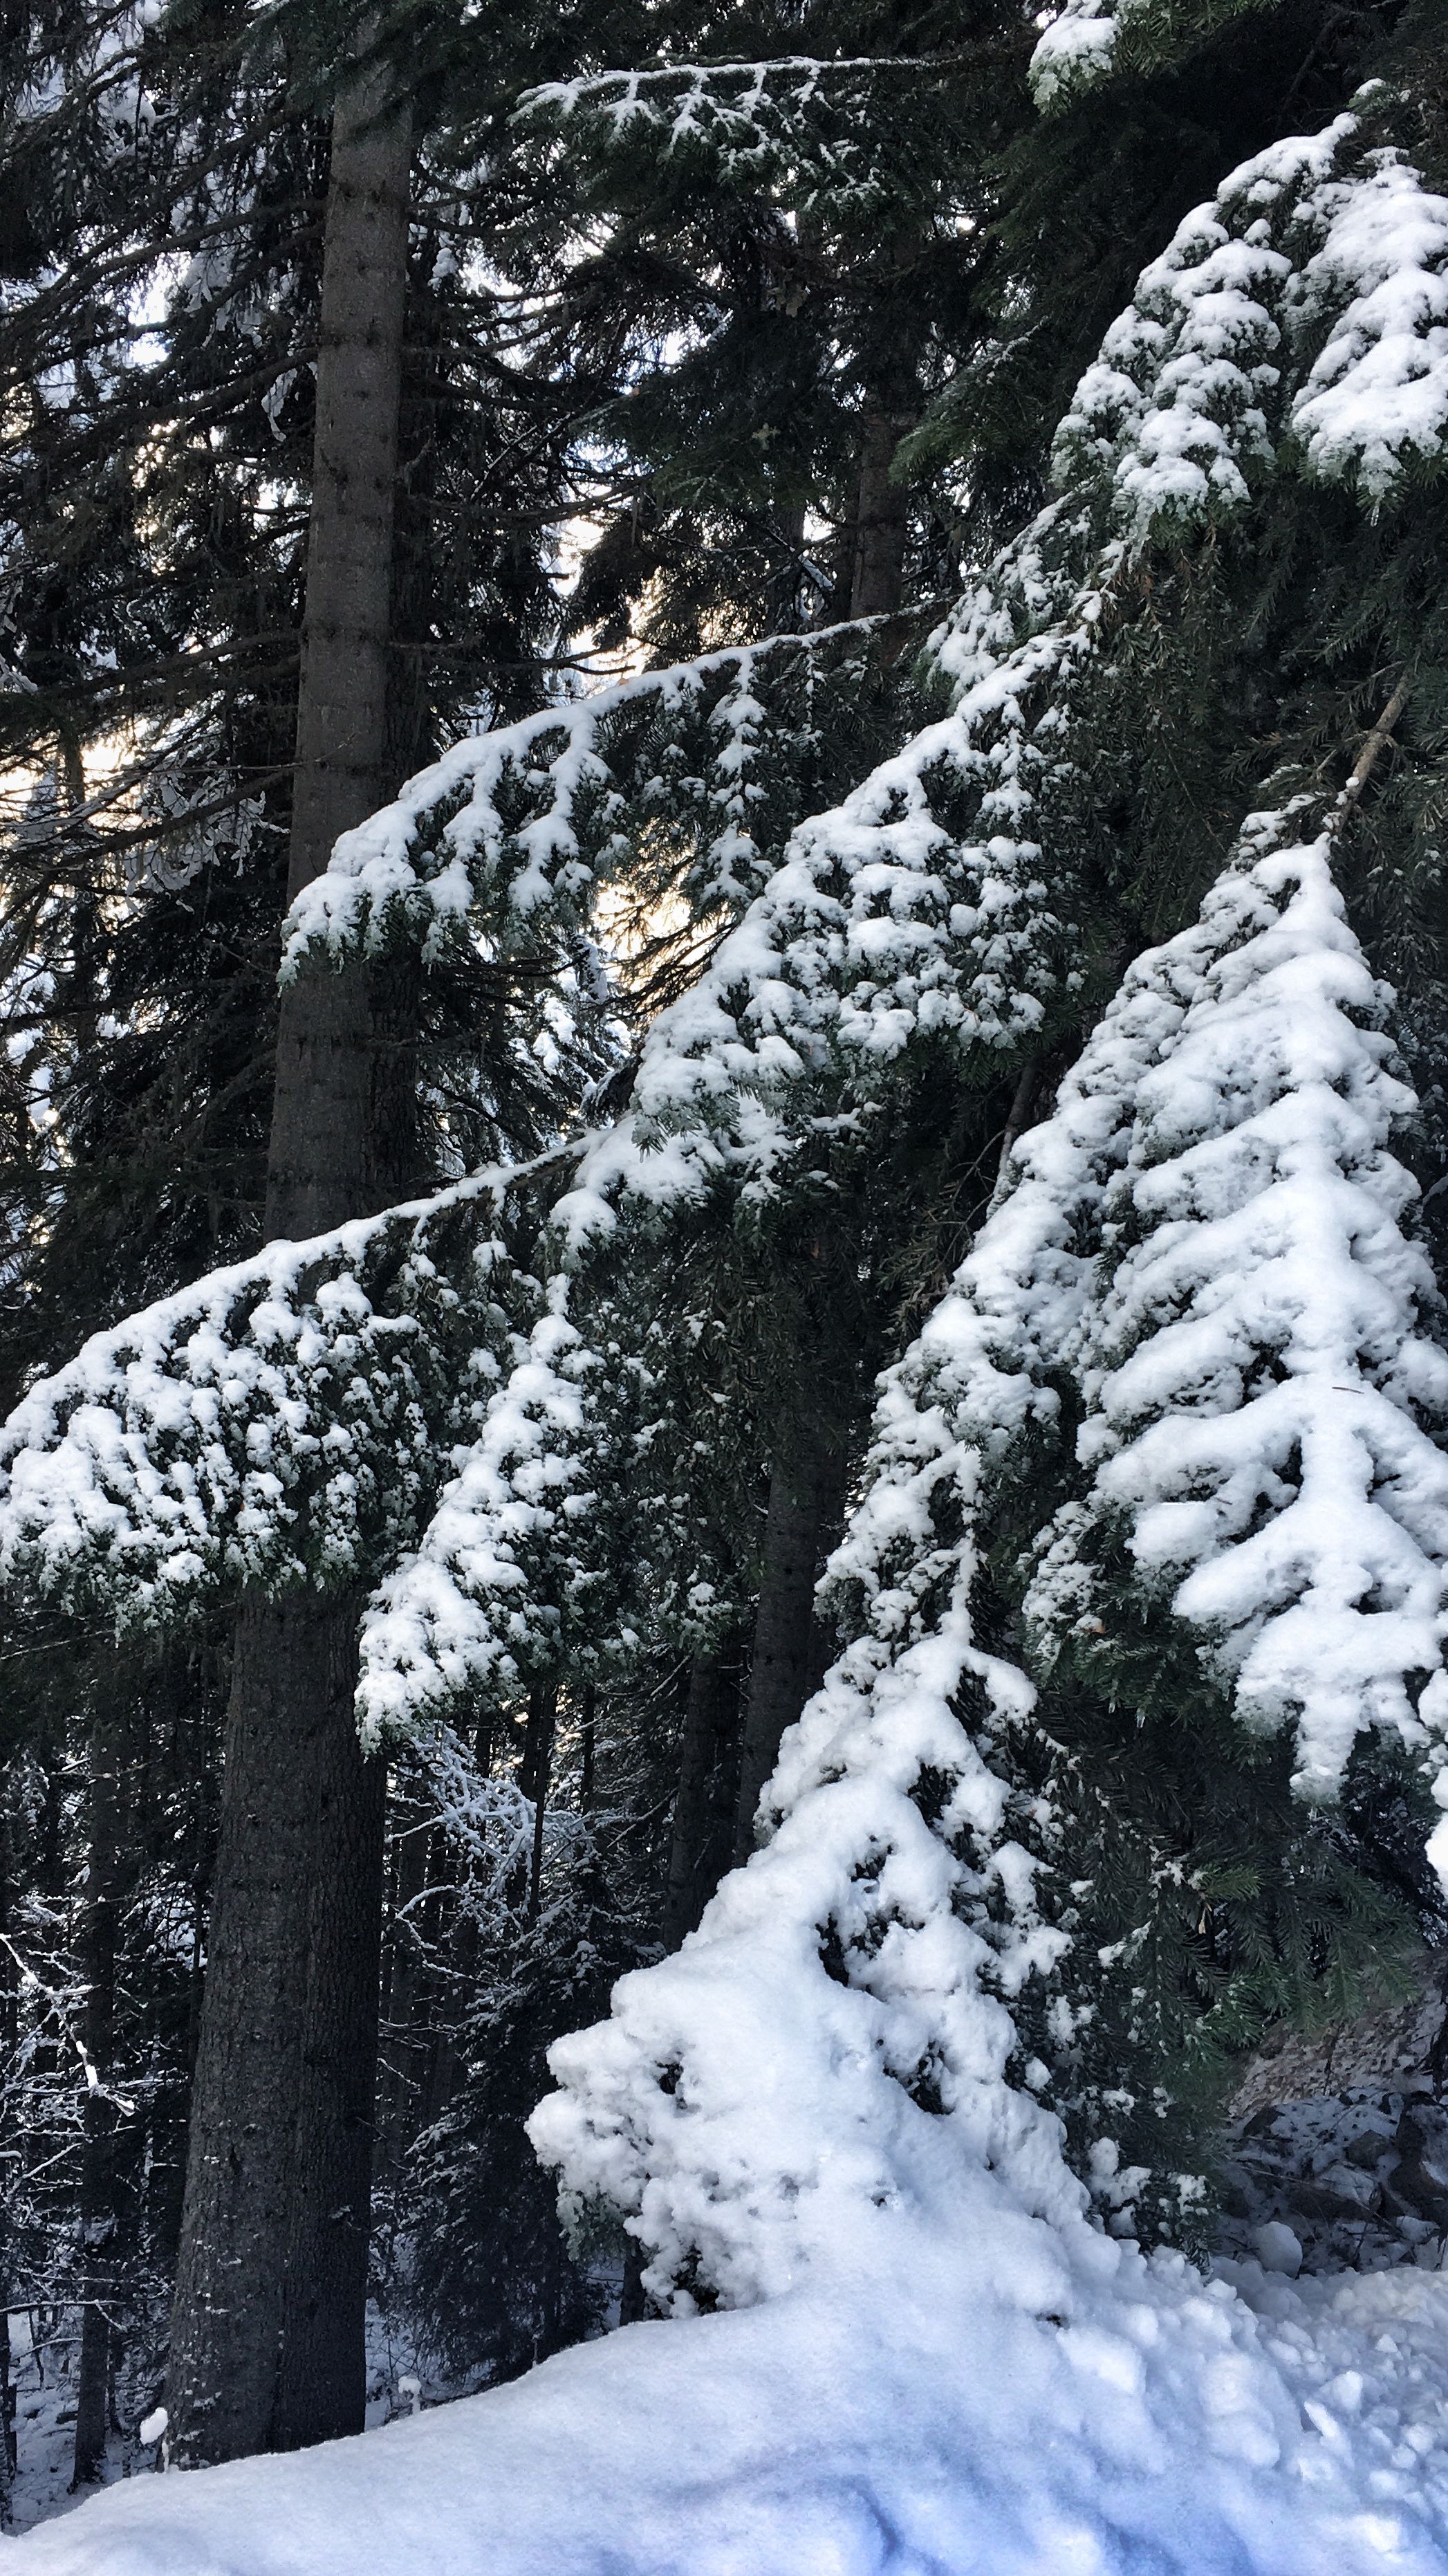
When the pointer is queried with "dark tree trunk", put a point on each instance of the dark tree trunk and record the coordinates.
(322, 1151)
(322, 2382)
(267, 2348)
(805, 1490)
(267, 2335)
(881, 518)
(534, 1775)
(97, 2172)
(702, 1839)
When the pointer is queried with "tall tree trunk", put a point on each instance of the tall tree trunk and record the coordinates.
(702, 1838)
(322, 1157)
(881, 518)
(534, 1774)
(267, 2350)
(97, 2172)
(322, 2382)
(805, 1490)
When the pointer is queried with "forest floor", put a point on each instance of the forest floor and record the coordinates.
(919, 2416)
(399, 2382)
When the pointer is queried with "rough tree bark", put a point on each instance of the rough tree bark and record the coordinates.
(702, 1835)
(267, 2350)
(805, 1489)
(881, 518)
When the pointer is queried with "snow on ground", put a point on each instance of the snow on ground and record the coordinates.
(923, 2413)
(401, 2378)
(45, 2422)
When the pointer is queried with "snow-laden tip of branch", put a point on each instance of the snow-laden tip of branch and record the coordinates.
(524, 818)
(272, 1423)
(797, 121)
(1260, 1390)
(482, 1598)
(1376, 397)
(1304, 310)
(1073, 53)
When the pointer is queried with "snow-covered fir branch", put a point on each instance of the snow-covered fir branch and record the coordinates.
(1303, 311)
(701, 754)
(1260, 1394)
(1077, 49)
(807, 125)
(485, 1596)
(278, 1421)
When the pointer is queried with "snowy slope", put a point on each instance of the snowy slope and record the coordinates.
(930, 2415)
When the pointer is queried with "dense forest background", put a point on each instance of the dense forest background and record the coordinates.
(639, 386)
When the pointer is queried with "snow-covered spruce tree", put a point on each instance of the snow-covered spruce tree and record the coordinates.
(924, 920)
(900, 1890)
(898, 1897)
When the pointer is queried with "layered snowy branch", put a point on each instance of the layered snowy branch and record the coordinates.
(1261, 1395)
(1303, 311)
(703, 757)
(503, 1560)
(812, 128)
(278, 1421)
(1077, 49)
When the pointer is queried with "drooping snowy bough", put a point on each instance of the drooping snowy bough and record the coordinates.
(1263, 1407)
(279, 1422)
